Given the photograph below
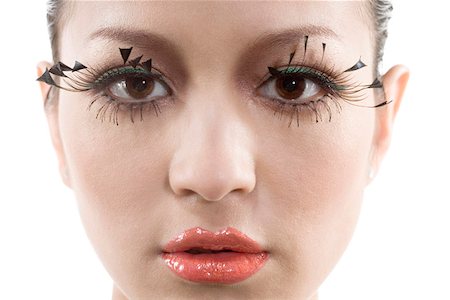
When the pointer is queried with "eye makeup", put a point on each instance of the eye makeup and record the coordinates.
(335, 86)
(121, 88)
(288, 89)
(126, 89)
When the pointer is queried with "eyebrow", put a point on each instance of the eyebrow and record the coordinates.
(136, 37)
(140, 39)
(291, 36)
(144, 39)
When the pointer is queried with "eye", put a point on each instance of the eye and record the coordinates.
(292, 87)
(137, 88)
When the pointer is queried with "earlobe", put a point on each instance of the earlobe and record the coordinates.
(394, 83)
(51, 112)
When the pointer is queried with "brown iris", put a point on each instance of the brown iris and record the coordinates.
(290, 87)
(139, 87)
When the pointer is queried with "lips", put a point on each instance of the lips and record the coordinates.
(227, 256)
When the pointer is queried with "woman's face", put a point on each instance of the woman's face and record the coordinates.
(215, 156)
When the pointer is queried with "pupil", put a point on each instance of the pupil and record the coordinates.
(289, 84)
(139, 84)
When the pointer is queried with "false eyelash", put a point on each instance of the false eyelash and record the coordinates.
(117, 74)
(96, 84)
(294, 110)
(95, 80)
(338, 85)
(326, 77)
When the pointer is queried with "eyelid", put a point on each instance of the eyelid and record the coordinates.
(119, 73)
(325, 80)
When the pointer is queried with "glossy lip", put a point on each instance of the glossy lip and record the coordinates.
(237, 258)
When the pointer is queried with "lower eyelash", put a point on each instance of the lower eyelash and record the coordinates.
(317, 107)
(336, 84)
(293, 110)
(115, 107)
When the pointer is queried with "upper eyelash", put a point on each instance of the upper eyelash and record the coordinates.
(311, 72)
(100, 82)
(96, 84)
(336, 84)
(326, 81)
(116, 74)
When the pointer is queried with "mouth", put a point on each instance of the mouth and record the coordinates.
(201, 251)
(227, 256)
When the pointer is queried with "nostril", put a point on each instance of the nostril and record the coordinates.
(185, 192)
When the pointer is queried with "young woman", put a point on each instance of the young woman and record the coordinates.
(219, 150)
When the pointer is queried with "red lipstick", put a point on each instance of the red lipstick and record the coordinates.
(227, 256)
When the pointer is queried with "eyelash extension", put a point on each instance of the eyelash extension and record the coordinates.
(95, 81)
(133, 108)
(337, 84)
(325, 79)
(116, 75)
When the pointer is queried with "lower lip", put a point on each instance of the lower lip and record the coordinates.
(222, 267)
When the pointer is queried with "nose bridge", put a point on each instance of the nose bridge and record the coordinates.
(214, 155)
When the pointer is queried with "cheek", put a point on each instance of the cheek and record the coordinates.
(116, 174)
(311, 184)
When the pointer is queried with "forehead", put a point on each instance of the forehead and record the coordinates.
(195, 30)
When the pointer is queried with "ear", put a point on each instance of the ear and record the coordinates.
(51, 111)
(394, 83)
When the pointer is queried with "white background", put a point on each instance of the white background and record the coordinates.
(401, 248)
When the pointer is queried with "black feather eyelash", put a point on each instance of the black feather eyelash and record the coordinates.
(336, 84)
(95, 81)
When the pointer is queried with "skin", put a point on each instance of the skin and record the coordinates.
(217, 157)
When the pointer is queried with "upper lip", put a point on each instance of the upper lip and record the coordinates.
(225, 239)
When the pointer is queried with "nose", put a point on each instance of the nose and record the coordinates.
(213, 156)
